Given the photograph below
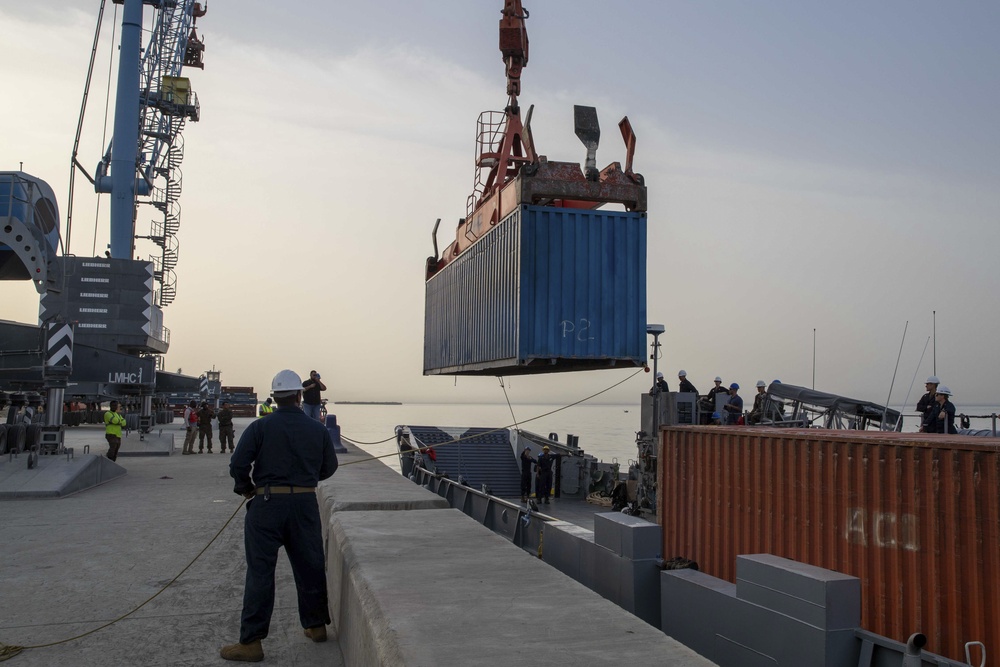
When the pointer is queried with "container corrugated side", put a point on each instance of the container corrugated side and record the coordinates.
(916, 518)
(549, 289)
(471, 306)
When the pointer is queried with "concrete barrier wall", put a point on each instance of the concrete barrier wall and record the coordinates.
(414, 584)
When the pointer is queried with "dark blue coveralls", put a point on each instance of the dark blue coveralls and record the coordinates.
(286, 449)
(526, 461)
(543, 482)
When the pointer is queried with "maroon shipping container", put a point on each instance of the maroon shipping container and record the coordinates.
(916, 517)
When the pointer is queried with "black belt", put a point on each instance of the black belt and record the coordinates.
(267, 490)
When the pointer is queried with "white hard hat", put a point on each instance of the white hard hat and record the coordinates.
(761, 383)
(682, 374)
(933, 380)
(659, 375)
(286, 382)
(944, 390)
(718, 379)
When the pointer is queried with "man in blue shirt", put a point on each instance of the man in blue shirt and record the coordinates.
(277, 465)
(734, 408)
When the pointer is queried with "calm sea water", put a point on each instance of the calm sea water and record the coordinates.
(605, 431)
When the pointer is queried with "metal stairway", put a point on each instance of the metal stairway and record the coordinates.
(165, 112)
(164, 233)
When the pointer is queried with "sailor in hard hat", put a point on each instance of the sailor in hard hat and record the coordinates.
(944, 416)
(927, 405)
(734, 407)
(277, 465)
(686, 386)
(718, 388)
(709, 404)
(661, 384)
(758, 403)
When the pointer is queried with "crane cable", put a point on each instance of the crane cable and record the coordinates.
(107, 104)
(79, 128)
(8, 651)
(509, 406)
(494, 430)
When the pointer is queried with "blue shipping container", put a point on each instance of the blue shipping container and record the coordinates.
(548, 290)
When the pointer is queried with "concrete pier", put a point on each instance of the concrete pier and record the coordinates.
(411, 582)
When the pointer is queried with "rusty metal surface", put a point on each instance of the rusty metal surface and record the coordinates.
(916, 517)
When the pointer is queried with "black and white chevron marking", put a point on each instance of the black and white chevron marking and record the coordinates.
(59, 349)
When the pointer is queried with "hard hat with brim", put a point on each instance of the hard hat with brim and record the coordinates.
(761, 383)
(682, 374)
(734, 386)
(286, 383)
(718, 379)
(933, 380)
(943, 390)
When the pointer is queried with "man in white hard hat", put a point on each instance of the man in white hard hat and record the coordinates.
(944, 416)
(928, 405)
(717, 389)
(277, 465)
(686, 386)
(709, 403)
(758, 403)
(661, 384)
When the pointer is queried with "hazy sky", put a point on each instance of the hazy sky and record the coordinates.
(810, 165)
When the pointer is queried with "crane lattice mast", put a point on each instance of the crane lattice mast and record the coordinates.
(142, 162)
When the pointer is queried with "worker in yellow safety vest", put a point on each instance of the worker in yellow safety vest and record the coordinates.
(265, 408)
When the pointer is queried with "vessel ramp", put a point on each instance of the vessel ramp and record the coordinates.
(479, 456)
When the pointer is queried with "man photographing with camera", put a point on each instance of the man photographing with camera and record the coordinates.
(311, 401)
